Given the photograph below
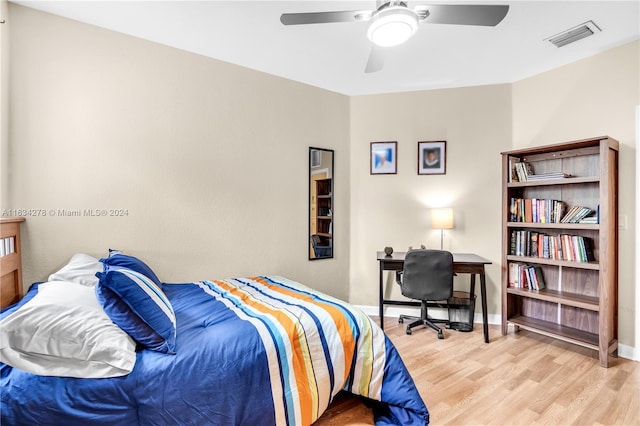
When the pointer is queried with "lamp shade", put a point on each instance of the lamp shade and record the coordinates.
(442, 218)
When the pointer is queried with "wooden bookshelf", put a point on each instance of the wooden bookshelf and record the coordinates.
(324, 211)
(580, 301)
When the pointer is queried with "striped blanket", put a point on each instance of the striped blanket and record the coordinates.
(321, 346)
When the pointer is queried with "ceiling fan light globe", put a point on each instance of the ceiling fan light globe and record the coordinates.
(392, 26)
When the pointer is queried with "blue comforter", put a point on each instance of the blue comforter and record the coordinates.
(250, 351)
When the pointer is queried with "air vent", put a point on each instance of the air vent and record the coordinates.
(579, 32)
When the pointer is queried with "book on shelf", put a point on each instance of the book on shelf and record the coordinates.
(324, 211)
(513, 176)
(587, 246)
(540, 285)
(523, 172)
(545, 176)
(525, 276)
(533, 251)
(576, 214)
(533, 210)
(589, 220)
(573, 248)
(528, 210)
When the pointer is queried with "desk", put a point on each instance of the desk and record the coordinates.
(463, 263)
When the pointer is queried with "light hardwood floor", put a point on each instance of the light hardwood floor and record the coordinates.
(519, 379)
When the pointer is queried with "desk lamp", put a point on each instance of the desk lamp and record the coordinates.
(442, 219)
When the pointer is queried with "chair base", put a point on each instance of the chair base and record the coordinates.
(426, 320)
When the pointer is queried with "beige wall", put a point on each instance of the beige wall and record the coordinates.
(394, 210)
(209, 159)
(592, 97)
(4, 104)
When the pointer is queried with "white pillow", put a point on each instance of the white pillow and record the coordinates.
(81, 269)
(63, 331)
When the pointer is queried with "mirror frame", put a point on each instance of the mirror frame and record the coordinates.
(326, 236)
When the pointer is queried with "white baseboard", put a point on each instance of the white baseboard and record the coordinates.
(624, 351)
(435, 313)
(628, 352)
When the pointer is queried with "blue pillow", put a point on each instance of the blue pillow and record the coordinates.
(139, 307)
(118, 260)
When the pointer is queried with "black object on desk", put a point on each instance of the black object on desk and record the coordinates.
(463, 263)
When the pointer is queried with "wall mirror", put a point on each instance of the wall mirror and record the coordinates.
(320, 203)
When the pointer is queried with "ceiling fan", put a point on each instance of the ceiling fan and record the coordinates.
(393, 22)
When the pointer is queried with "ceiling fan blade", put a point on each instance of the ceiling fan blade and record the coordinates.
(465, 14)
(376, 60)
(325, 17)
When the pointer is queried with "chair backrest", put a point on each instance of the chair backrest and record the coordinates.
(315, 240)
(428, 275)
(320, 249)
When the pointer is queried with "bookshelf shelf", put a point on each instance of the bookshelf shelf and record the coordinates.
(562, 181)
(567, 226)
(558, 331)
(555, 262)
(579, 301)
(563, 298)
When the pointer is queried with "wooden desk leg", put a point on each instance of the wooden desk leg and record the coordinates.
(381, 300)
(472, 292)
(485, 315)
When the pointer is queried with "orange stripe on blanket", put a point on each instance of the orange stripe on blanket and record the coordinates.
(305, 380)
(342, 325)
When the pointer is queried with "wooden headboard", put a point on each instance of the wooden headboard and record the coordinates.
(10, 260)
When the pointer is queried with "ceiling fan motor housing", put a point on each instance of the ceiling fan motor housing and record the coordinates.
(392, 25)
(381, 4)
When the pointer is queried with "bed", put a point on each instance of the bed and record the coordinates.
(245, 351)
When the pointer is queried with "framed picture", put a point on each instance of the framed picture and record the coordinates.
(384, 158)
(432, 158)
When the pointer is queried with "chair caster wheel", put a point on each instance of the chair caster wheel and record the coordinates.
(440, 335)
(400, 320)
(409, 331)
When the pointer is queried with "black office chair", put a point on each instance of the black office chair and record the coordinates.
(320, 249)
(427, 276)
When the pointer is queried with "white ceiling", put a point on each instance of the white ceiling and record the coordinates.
(333, 56)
